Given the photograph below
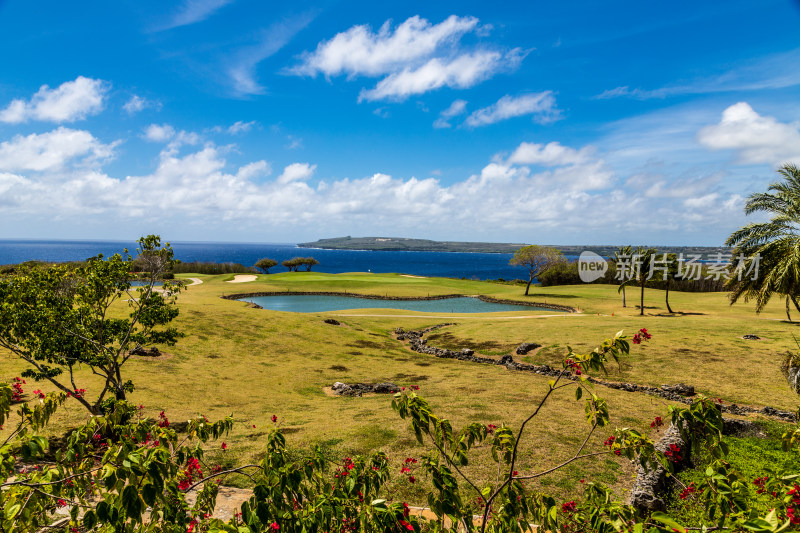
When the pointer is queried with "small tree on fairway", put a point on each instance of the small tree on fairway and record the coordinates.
(265, 264)
(537, 259)
(309, 262)
(58, 318)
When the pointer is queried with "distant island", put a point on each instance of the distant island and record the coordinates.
(401, 244)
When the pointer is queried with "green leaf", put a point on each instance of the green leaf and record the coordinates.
(132, 502)
(12, 511)
(578, 393)
(667, 521)
(89, 520)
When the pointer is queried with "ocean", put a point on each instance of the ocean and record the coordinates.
(441, 264)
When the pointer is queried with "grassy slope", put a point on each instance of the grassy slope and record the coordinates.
(257, 363)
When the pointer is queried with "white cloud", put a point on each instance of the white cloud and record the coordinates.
(541, 105)
(550, 154)
(296, 172)
(70, 101)
(240, 127)
(52, 151)
(458, 107)
(756, 138)
(159, 133)
(137, 103)
(461, 72)
(193, 11)
(257, 169)
(413, 58)
(360, 51)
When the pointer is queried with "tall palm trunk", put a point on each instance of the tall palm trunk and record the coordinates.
(669, 309)
(623, 296)
(641, 306)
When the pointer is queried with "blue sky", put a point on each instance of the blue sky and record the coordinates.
(246, 121)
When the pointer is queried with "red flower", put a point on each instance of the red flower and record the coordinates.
(673, 453)
(224, 446)
(274, 526)
(657, 422)
(412, 479)
(62, 503)
(637, 339)
(569, 507)
(274, 419)
(490, 429)
(406, 525)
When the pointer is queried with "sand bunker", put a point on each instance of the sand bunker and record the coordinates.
(243, 278)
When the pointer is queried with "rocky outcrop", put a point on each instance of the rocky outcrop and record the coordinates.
(358, 389)
(332, 322)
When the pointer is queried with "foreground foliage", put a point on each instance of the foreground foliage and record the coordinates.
(59, 317)
(119, 472)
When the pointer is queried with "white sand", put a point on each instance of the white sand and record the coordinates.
(243, 278)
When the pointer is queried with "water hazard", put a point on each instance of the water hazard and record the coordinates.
(318, 303)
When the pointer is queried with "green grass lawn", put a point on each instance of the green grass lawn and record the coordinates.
(255, 363)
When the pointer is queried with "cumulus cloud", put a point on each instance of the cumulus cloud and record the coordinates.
(755, 138)
(458, 107)
(461, 72)
(296, 172)
(159, 133)
(541, 188)
(414, 58)
(361, 51)
(70, 101)
(541, 105)
(52, 151)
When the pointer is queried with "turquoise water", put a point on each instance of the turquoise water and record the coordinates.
(317, 303)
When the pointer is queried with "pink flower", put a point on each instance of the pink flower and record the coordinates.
(274, 419)
(224, 446)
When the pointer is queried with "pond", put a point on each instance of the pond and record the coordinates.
(318, 303)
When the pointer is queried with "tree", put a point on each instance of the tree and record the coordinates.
(309, 262)
(637, 272)
(58, 318)
(291, 264)
(265, 264)
(620, 255)
(771, 249)
(537, 259)
(664, 267)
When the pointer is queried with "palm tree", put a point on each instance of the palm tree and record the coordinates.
(643, 256)
(774, 246)
(619, 256)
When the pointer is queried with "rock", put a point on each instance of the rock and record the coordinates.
(526, 347)
(467, 351)
(332, 322)
(384, 388)
(506, 360)
(751, 337)
(339, 385)
(741, 428)
(679, 388)
(140, 351)
(651, 483)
